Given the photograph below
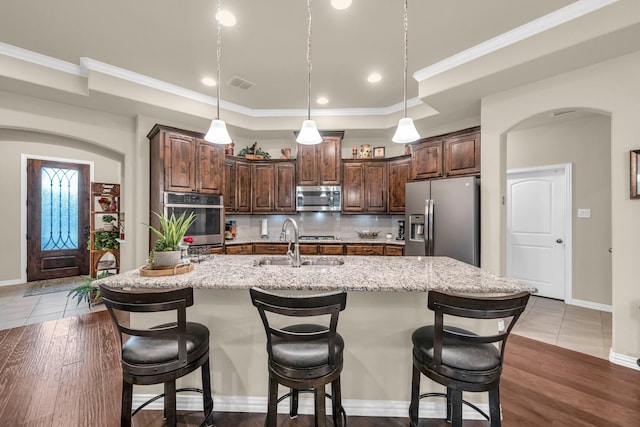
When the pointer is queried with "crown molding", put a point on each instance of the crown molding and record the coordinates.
(530, 29)
(39, 59)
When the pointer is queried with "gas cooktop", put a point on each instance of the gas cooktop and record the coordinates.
(317, 237)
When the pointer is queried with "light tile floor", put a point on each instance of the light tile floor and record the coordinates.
(547, 320)
(16, 310)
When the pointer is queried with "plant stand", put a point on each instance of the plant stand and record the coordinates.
(102, 241)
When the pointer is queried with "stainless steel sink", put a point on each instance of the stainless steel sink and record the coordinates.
(323, 262)
(274, 261)
(288, 262)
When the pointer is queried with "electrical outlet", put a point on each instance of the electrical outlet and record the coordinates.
(584, 213)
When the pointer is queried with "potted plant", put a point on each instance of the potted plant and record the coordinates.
(108, 221)
(87, 291)
(166, 252)
(106, 240)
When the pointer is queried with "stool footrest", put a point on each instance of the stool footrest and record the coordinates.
(469, 404)
(160, 396)
(326, 395)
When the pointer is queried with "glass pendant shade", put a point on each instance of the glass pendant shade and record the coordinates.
(218, 133)
(406, 131)
(309, 134)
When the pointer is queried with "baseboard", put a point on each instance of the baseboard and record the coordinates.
(589, 304)
(11, 282)
(623, 360)
(370, 408)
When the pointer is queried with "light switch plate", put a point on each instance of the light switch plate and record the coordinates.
(584, 213)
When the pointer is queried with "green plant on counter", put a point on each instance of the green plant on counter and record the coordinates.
(255, 150)
(106, 240)
(172, 230)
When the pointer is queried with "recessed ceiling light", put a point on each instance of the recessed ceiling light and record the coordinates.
(208, 81)
(226, 18)
(374, 78)
(322, 100)
(340, 4)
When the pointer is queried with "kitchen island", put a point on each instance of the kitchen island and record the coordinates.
(387, 300)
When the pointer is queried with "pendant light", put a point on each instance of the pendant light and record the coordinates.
(406, 131)
(309, 134)
(218, 130)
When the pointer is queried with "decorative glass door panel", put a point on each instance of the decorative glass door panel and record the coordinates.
(59, 216)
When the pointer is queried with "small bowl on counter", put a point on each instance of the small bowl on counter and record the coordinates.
(368, 234)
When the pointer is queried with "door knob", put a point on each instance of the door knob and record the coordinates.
(559, 241)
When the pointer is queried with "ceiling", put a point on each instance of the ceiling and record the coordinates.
(174, 42)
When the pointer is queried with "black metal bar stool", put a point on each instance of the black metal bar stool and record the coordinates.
(303, 356)
(162, 353)
(460, 359)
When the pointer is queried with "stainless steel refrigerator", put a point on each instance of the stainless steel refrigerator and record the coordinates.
(443, 219)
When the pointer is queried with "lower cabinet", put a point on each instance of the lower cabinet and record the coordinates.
(270, 248)
(245, 249)
(394, 250)
(368, 249)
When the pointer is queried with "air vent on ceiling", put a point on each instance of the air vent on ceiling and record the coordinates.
(241, 83)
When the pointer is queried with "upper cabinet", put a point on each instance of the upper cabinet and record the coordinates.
(365, 185)
(399, 175)
(184, 162)
(462, 154)
(320, 164)
(237, 185)
(453, 154)
(273, 189)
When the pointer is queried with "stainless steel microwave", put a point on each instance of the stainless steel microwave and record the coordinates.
(318, 198)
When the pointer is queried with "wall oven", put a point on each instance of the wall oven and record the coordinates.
(208, 228)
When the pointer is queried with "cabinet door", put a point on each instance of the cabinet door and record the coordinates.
(353, 187)
(399, 175)
(307, 163)
(308, 249)
(209, 172)
(331, 249)
(229, 194)
(270, 248)
(329, 161)
(393, 250)
(365, 249)
(179, 163)
(263, 187)
(243, 186)
(462, 155)
(285, 178)
(376, 185)
(427, 160)
(239, 249)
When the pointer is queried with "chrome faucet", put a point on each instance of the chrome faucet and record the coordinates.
(295, 253)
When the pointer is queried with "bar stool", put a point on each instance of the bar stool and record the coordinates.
(162, 353)
(460, 359)
(304, 356)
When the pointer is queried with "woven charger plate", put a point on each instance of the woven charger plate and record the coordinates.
(367, 234)
(170, 271)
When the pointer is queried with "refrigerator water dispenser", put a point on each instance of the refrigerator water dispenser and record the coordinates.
(416, 228)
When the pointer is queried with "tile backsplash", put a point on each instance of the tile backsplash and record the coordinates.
(248, 227)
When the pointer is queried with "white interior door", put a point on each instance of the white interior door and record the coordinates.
(538, 228)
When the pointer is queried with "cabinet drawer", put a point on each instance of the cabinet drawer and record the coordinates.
(217, 250)
(365, 249)
(270, 248)
(331, 249)
(240, 249)
(393, 250)
(308, 249)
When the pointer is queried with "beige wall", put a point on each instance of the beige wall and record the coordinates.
(586, 144)
(610, 87)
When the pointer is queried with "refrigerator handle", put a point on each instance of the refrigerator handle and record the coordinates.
(430, 247)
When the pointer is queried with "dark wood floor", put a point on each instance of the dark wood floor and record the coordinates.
(66, 373)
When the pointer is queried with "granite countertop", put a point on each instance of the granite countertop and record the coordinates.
(359, 273)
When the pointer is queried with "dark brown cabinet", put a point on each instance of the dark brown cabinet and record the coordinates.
(462, 154)
(320, 164)
(243, 249)
(237, 185)
(393, 250)
(368, 249)
(273, 186)
(184, 162)
(427, 159)
(365, 186)
(399, 175)
(270, 248)
(453, 154)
